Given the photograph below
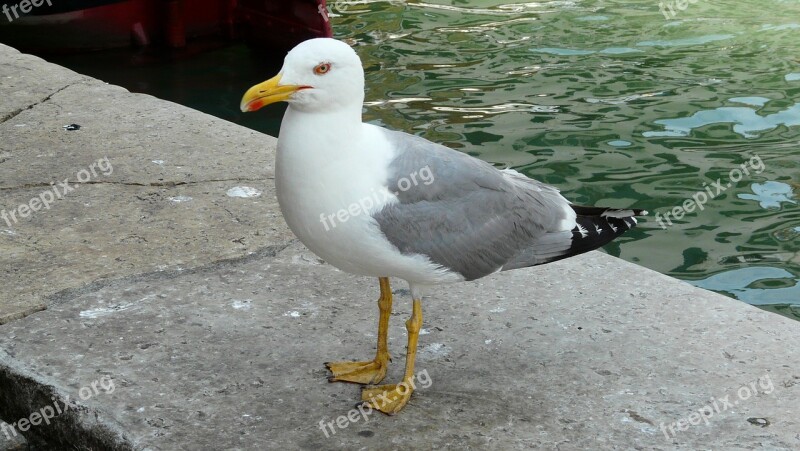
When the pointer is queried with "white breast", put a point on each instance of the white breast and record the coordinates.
(329, 179)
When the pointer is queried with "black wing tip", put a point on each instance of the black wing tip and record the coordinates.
(594, 228)
(598, 229)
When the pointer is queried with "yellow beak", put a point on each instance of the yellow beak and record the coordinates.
(268, 92)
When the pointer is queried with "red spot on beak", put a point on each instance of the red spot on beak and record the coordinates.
(255, 105)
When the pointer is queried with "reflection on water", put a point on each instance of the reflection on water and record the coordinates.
(571, 52)
(770, 194)
(747, 122)
(758, 285)
(616, 106)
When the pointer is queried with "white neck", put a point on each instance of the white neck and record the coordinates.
(325, 149)
(319, 133)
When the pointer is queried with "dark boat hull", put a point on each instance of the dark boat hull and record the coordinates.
(103, 24)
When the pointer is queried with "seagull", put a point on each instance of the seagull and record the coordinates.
(382, 203)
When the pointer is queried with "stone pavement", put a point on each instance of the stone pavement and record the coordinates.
(158, 305)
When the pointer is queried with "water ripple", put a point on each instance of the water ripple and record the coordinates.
(499, 109)
(686, 41)
(615, 105)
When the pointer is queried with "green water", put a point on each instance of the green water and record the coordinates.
(619, 106)
(608, 100)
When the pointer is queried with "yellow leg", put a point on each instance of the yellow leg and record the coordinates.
(390, 399)
(371, 371)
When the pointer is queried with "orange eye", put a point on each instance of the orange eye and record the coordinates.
(322, 68)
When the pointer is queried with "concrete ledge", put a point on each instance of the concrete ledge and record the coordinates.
(67, 423)
(181, 318)
(163, 205)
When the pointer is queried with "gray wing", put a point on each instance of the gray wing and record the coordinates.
(467, 216)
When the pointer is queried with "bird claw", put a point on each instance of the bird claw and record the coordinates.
(364, 372)
(388, 399)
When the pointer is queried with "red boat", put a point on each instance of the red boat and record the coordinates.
(46, 26)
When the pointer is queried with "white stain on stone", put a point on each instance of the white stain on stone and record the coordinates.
(497, 310)
(178, 199)
(104, 311)
(112, 308)
(242, 304)
(432, 351)
(292, 313)
(243, 191)
(304, 259)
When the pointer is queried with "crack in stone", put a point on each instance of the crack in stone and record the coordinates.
(68, 294)
(19, 111)
(168, 184)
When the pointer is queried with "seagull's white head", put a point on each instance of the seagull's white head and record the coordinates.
(318, 75)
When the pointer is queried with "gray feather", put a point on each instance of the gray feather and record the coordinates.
(472, 218)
